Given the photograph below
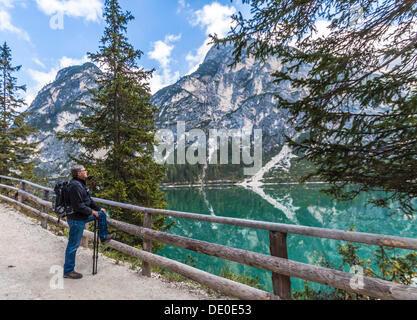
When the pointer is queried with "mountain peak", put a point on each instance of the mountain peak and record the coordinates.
(216, 96)
(219, 52)
(69, 71)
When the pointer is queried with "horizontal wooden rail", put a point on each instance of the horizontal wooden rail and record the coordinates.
(5, 186)
(278, 265)
(10, 178)
(338, 279)
(37, 212)
(220, 284)
(28, 183)
(342, 280)
(212, 281)
(350, 236)
(29, 196)
(37, 186)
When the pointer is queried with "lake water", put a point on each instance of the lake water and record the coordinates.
(293, 204)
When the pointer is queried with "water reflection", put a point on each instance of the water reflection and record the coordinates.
(283, 203)
(292, 204)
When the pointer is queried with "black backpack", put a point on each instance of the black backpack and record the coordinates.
(62, 206)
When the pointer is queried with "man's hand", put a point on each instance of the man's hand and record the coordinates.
(95, 213)
(104, 210)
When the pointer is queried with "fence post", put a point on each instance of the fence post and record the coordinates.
(278, 248)
(22, 187)
(44, 222)
(147, 244)
(84, 239)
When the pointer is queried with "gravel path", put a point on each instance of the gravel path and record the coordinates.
(31, 260)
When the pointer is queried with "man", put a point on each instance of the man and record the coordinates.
(85, 210)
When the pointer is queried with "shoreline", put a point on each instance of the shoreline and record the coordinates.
(237, 184)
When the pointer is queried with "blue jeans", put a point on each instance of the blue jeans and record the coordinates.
(75, 236)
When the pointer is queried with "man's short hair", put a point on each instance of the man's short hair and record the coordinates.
(75, 169)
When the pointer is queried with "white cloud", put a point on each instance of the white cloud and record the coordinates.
(173, 38)
(42, 78)
(214, 19)
(90, 10)
(195, 59)
(6, 22)
(162, 53)
(65, 62)
(182, 5)
(39, 63)
(161, 80)
(6, 3)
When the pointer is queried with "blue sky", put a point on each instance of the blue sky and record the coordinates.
(48, 35)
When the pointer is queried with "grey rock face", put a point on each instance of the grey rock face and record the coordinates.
(57, 108)
(216, 96)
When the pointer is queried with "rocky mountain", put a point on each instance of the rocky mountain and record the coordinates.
(57, 108)
(216, 96)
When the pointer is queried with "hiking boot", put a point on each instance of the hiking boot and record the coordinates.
(73, 275)
(108, 238)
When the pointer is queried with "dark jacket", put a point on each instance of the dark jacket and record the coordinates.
(81, 201)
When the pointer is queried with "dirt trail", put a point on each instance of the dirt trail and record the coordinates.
(31, 259)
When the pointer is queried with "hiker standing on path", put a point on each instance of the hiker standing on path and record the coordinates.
(85, 210)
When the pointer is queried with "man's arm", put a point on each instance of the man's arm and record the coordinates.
(96, 207)
(76, 201)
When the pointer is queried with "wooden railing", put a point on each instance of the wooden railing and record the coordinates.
(277, 262)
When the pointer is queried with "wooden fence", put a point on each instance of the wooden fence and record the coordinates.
(277, 262)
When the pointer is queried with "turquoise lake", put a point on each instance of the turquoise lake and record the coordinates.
(292, 204)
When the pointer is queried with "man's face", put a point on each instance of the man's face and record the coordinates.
(82, 174)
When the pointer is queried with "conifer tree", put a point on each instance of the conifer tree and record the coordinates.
(15, 151)
(117, 134)
(357, 79)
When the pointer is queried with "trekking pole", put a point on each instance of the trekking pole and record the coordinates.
(95, 246)
(97, 241)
